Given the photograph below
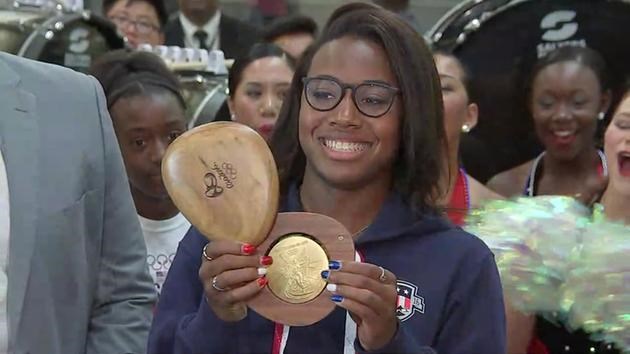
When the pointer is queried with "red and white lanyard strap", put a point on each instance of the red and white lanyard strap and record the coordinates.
(281, 332)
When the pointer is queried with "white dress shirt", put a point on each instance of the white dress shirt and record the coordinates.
(4, 254)
(211, 28)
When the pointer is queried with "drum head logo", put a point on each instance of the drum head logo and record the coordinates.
(217, 175)
(559, 29)
(213, 189)
(79, 42)
(409, 301)
(559, 26)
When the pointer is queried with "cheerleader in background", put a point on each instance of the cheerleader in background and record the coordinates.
(616, 198)
(568, 93)
(593, 301)
(460, 116)
(463, 191)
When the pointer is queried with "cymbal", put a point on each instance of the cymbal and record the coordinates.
(223, 178)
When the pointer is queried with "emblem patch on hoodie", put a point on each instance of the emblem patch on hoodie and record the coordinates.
(409, 301)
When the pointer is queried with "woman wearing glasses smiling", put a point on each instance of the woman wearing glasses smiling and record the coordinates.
(140, 21)
(360, 138)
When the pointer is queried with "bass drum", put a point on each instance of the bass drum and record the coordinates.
(72, 40)
(205, 95)
(499, 41)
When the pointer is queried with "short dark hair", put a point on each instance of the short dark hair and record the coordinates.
(158, 6)
(418, 166)
(257, 51)
(127, 73)
(289, 25)
(584, 56)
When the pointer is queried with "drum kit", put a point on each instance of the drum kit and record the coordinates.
(232, 188)
(65, 34)
(57, 33)
(203, 77)
(499, 41)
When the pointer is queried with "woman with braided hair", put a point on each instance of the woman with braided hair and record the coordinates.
(147, 110)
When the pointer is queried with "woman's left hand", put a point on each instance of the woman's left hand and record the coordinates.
(369, 293)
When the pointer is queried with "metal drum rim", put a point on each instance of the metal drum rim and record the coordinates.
(454, 13)
(27, 48)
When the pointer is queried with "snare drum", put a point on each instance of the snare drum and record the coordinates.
(73, 40)
(205, 94)
(499, 41)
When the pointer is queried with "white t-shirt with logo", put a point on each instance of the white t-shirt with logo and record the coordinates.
(162, 238)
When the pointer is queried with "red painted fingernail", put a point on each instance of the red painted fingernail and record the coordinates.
(266, 260)
(246, 248)
(262, 281)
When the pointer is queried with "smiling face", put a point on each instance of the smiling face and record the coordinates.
(343, 147)
(260, 93)
(617, 148)
(566, 99)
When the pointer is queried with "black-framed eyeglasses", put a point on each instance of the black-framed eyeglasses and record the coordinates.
(372, 98)
(141, 26)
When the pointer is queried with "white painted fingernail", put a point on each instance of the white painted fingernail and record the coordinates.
(331, 287)
(262, 271)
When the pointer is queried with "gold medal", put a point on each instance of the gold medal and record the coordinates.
(231, 191)
(295, 275)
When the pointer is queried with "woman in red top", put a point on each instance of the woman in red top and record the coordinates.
(463, 191)
(460, 116)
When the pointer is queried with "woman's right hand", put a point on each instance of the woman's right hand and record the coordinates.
(231, 275)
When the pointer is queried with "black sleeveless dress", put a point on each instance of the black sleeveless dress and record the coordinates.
(556, 338)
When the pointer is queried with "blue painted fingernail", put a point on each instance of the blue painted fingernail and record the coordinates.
(337, 298)
(334, 265)
(325, 274)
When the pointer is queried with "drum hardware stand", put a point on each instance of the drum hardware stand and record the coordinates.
(53, 6)
(203, 75)
(435, 34)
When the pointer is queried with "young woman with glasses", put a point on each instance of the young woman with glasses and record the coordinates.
(360, 138)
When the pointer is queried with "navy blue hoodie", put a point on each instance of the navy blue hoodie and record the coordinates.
(449, 290)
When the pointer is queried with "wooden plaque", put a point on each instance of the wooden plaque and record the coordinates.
(223, 178)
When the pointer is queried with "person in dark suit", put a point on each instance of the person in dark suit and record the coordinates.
(292, 33)
(200, 24)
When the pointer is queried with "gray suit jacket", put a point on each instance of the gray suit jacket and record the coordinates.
(78, 281)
